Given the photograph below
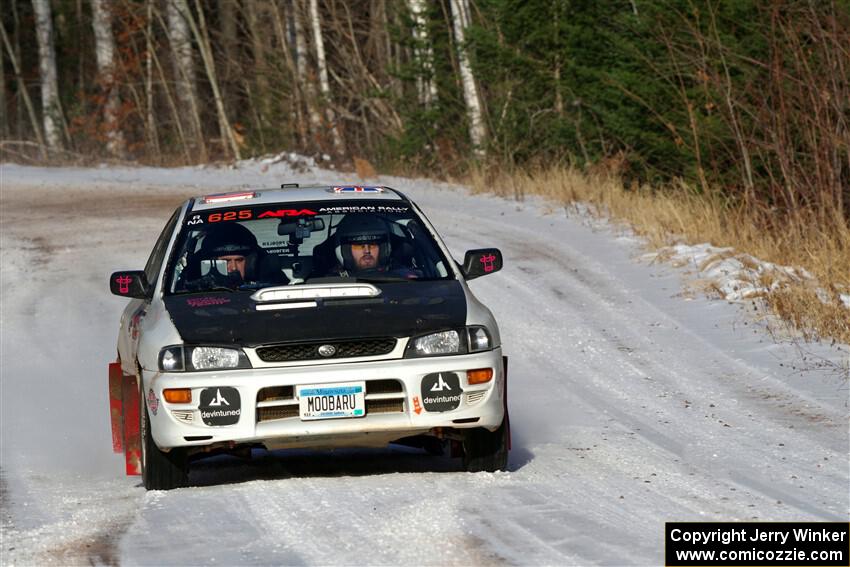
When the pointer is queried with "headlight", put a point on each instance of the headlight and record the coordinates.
(455, 341)
(179, 358)
(445, 342)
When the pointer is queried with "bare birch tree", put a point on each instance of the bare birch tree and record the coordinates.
(303, 75)
(51, 108)
(184, 72)
(322, 66)
(199, 30)
(105, 55)
(460, 21)
(422, 53)
(22, 89)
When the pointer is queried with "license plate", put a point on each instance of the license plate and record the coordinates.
(332, 401)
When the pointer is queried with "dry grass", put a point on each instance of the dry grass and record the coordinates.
(818, 243)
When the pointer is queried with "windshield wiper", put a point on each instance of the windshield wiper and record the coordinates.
(204, 290)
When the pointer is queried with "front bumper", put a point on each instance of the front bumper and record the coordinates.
(395, 414)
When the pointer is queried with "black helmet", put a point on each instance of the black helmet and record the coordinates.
(231, 239)
(227, 240)
(362, 229)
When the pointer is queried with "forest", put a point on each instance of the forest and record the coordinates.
(747, 97)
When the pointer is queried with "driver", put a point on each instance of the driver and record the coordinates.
(235, 247)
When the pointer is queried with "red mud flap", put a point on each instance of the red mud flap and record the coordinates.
(507, 417)
(124, 416)
(115, 414)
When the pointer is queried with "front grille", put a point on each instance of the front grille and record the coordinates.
(277, 393)
(383, 386)
(278, 402)
(310, 351)
(278, 412)
(384, 406)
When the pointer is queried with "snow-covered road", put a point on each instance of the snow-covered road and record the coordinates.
(630, 404)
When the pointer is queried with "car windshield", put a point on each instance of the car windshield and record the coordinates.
(242, 248)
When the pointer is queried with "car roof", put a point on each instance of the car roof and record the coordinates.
(288, 194)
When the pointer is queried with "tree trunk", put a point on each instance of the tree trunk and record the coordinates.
(184, 73)
(231, 74)
(283, 40)
(150, 117)
(324, 85)
(422, 53)
(258, 34)
(22, 88)
(51, 108)
(105, 55)
(303, 76)
(199, 30)
(460, 21)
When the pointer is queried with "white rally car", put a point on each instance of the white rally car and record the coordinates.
(310, 317)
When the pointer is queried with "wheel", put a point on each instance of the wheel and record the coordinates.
(160, 470)
(486, 451)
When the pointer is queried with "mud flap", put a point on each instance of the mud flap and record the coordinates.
(505, 397)
(130, 411)
(115, 413)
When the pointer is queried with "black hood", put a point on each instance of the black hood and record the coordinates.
(403, 309)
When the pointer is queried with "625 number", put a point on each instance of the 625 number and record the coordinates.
(229, 216)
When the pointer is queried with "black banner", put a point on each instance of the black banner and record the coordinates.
(757, 543)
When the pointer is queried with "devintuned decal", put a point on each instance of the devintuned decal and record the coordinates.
(220, 406)
(441, 391)
(206, 301)
(489, 261)
(153, 401)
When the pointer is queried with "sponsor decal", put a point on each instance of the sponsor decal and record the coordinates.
(230, 216)
(153, 401)
(220, 406)
(124, 283)
(417, 407)
(346, 209)
(206, 301)
(441, 392)
(489, 261)
(286, 213)
(196, 219)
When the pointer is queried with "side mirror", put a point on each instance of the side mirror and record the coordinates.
(132, 283)
(481, 262)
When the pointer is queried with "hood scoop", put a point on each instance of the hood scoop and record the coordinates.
(301, 296)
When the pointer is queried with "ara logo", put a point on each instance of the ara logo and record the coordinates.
(440, 385)
(196, 219)
(287, 213)
(440, 392)
(219, 399)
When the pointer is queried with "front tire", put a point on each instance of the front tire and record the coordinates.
(160, 470)
(486, 451)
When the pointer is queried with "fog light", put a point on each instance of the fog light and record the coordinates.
(178, 395)
(479, 376)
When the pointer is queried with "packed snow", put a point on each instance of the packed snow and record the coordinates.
(630, 405)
